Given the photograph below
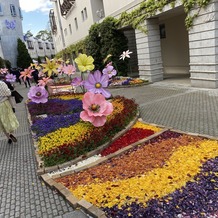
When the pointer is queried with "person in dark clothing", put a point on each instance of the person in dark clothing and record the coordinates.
(16, 72)
(27, 82)
(35, 75)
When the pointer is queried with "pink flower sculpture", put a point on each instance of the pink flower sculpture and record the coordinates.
(109, 70)
(44, 81)
(3, 70)
(69, 69)
(96, 83)
(26, 73)
(38, 94)
(96, 108)
(10, 78)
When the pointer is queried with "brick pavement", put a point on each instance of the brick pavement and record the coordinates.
(24, 195)
(178, 106)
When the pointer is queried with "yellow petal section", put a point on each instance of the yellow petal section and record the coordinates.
(182, 166)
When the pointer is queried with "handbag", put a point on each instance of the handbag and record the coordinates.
(17, 96)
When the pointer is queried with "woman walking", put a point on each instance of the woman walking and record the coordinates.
(8, 120)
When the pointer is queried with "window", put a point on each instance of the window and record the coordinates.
(40, 45)
(30, 44)
(47, 45)
(13, 10)
(85, 14)
(20, 13)
(76, 23)
(65, 31)
(1, 11)
(82, 14)
(70, 29)
(52, 46)
(162, 31)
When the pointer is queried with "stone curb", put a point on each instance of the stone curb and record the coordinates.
(194, 134)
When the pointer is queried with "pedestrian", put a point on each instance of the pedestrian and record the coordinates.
(8, 120)
(17, 73)
(35, 75)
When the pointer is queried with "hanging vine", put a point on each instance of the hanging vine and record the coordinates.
(147, 9)
(150, 8)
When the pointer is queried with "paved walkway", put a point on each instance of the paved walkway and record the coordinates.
(177, 105)
(24, 195)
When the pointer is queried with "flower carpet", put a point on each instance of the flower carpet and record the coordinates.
(122, 82)
(147, 171)
(171, 175)
(60, 134)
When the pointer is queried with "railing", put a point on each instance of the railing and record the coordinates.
(66, 6)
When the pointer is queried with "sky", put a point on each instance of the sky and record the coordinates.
(35, 15)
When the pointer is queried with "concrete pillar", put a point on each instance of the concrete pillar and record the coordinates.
(149, 52)
(203, 45)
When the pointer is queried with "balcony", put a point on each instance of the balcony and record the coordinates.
(52, 21)
(65, 6)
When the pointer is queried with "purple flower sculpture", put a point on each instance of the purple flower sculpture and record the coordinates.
(77, 81)
(38, 94)
(96, 83)
(10, 78)
(109, 70)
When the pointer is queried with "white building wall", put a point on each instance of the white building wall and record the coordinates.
(10, 30)
(203, 42)
(149, 52)
(110, 8)
(66, 37)
(40, 51)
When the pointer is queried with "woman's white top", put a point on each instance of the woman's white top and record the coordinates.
(5, 92)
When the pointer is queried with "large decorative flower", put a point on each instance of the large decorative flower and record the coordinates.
(50, 67)
(109, 70)
(96, 83)
(38, 94)
(85, 62)
(69, 69)
(44, 81)
(96, 108)
(77, 81)
(125, 54)
(26, 73)
(10, 78)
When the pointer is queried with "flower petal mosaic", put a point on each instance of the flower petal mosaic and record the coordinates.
(172, 175)
(140, 171)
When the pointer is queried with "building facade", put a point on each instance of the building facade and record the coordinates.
(168, 47)
(10, 29)
(39, 49)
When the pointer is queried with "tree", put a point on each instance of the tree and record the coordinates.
(5, 63)
(44, 35)
(2, 63)
(93, 46)
(105, 41)
(28, 34)
(23, 58)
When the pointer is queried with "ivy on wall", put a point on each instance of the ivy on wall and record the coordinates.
(149, 8)
(137, 17)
